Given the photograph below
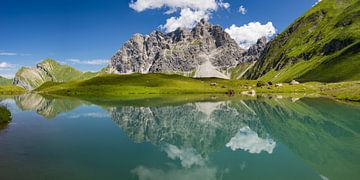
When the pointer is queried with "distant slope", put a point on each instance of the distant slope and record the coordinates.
(322, 45)
(48, 70)
(5, 81)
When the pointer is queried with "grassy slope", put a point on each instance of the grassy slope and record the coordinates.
(344, 91)
(11, 90)
(122, 85)
(60, 73)
(298, 52)
(240, 69)
(152, 85)
(5, 81)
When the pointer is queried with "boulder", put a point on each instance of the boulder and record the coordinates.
(293, 82)
(249, 93)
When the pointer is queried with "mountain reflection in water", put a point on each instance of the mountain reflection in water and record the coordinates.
(322, 133)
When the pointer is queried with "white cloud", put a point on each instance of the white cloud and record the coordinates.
(242, 9)
(223, 4)
(248, 140)
(187, 156)
(248, 34)
(89, 62)
(188, 19)
(7, 54)
(191, 11)
(6, 65)
(204, 5)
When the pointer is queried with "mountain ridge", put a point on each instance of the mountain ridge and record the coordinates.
(48, 70)
(204, 51)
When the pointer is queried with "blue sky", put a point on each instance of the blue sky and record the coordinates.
(86, 33)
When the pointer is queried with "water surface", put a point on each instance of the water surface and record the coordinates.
(61, 138)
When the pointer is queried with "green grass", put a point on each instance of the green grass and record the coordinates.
(54, 71)
(128, 85)
(5, 81)
(240, 70)
(298, 52)
(144, 86)
(349, 91)
(11, 90)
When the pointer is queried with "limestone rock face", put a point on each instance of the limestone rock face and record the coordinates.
(205, 51)
(255, 51)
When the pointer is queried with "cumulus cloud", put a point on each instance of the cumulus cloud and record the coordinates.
(248, 140)
(89, 62)
(187, 19)
(248, 34)
(187, 156)
(204, 5)
(191, 11)
(223, 4)
(5, 65)
(242, 9)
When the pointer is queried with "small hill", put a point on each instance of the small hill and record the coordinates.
(48, 70)
(5, 81)
(322, 45)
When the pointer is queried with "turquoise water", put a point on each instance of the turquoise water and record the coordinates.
(52, 138)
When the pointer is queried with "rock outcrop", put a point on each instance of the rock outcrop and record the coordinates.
(255, 51)
(205, 51)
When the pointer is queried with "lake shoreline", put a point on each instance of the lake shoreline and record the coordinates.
(152, 85)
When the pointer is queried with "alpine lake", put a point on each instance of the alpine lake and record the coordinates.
(179, 138)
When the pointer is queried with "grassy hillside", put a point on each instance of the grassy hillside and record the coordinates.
(322, 45)
(150, 85)
(11, 90)
(5, 81)
(49, 70)
(120, 85)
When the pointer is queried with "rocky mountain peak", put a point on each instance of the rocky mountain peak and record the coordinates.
(261, 41)
(204, 51)
(255, 51)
